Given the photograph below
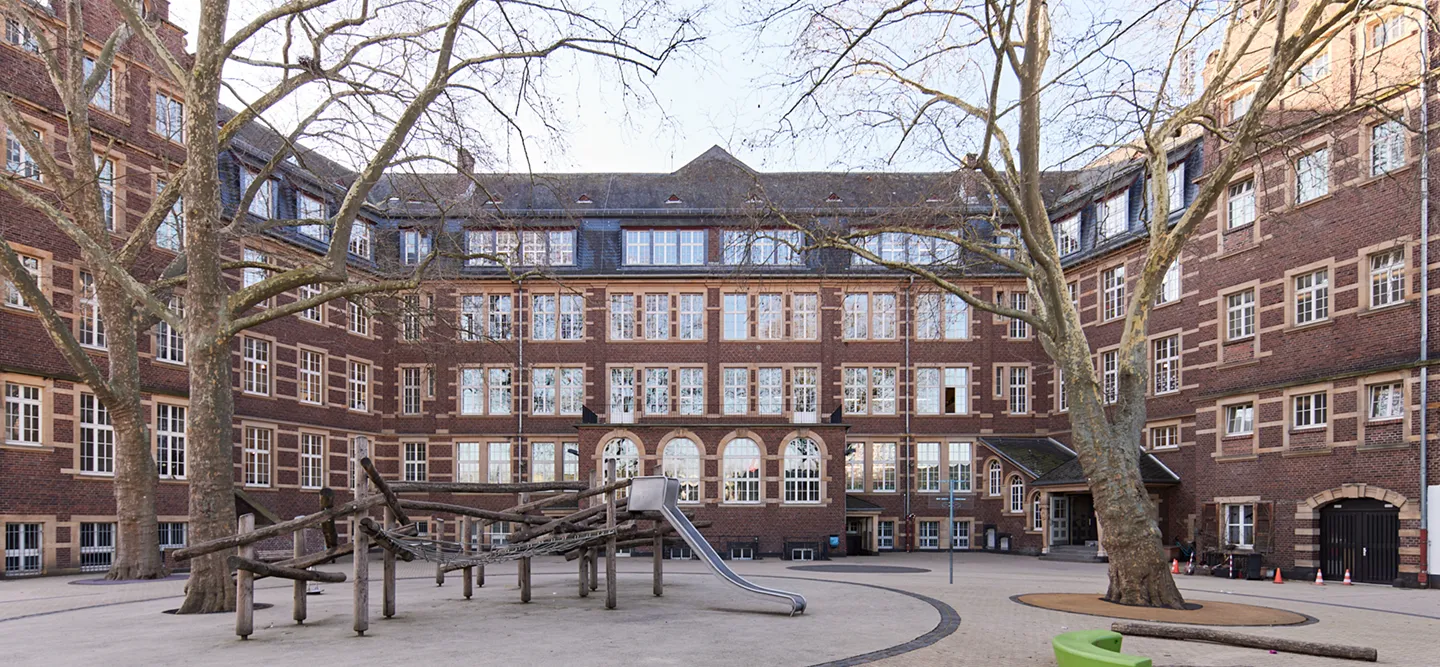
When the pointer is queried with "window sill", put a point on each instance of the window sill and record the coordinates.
(1371, 178)
(1329, 194)
(1318, 428)
(1235, 458)
(1385, 421)
(1312, 325)
(1403, 304)
(27, 446)
(1313, 452)
(1382, 448)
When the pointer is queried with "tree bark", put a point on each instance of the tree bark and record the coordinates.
(137, 548)
(1249, 641)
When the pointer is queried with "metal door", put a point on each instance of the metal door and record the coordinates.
(1059, 520)
(1363, 536)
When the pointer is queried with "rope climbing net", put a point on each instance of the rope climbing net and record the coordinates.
(454, 554)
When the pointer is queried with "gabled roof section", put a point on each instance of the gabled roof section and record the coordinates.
(1035, 456)
(1152, 471)
(715, 154)
(858, 504)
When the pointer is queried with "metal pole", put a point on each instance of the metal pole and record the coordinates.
(952, 532)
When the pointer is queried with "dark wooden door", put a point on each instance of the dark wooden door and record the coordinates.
(1363, 536)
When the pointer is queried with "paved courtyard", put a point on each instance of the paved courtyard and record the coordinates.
(905, 618)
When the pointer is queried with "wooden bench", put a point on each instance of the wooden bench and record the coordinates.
(1093, 648)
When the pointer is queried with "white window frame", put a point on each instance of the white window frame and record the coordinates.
(259, 456)
(357, 383)
(736, 316)
(622, 317)
(171, 423)
(1240, 315)
(310, 389)
(312, 460)
(255, 366)
(736, 390)
(1239, 520)
(1312, 175)
(24, 410)
(1240, 203)
(1239, 419)
(1387, 278)
(1165, 354)
(691, 384)
(416, 465)
(1310, 411)
(1112, 281)
(1387, 147)
(1312, 297)
(1385, 401)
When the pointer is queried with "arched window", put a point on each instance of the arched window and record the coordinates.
(625, 455)
(1037, 516)
(995, 475)
(681, 461)
(1017, 495)
(742, 472)
(802, 471)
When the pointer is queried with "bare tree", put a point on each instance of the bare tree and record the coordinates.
(989, 83)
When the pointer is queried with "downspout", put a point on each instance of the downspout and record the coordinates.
(909, 446)
(520, 373)
(1424, 298)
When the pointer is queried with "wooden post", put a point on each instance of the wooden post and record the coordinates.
(387, 602)
(524, 565)
(584, 573)
(594, 554)
(245, 585)
(361, 557)
(300, 586)
(439, 537)
(467, 588)
(659, 549)
(610, 593)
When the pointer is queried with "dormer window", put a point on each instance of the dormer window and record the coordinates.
(584, 199)
(494, 200)
(833, 199)
(414, 246)
(932, 199)
(673, 200)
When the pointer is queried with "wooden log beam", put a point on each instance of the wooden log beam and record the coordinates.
(299, 593)
(373, 530)
(276, 529)
(391, 500)
(332, 536)
(267, 569)
(476, 512)
(329, 555)
(631, 534)
(483, 487)
(574, 522)
(1248, 641)
(387, 571)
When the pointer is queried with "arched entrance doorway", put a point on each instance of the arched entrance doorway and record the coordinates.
(1363, 536)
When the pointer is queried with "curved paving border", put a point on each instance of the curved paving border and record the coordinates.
(859, 569)
(1309, 620)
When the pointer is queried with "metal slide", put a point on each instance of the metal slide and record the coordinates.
(662, 494)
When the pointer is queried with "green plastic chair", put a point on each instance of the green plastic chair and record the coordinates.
(1093, 648)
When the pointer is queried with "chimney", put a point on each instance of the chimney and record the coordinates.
(464, 161)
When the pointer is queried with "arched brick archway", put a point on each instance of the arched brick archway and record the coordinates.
(1307, 524)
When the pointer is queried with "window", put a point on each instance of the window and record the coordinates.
(170, 440)
(312, 460)
(625, 455)
(856, 318)
(929, 535)
(314, 313)
(737, 316)
(1067, 234)
(23, 552)
(18, 159)
(994, 475)
(1387, 147)
(770, 391)
(657, 316)
(692, 391)
(1311, 410)
(855, 391)
(169, 117)
(927, 467)
(22, 414)
(769, 311)
(885, 535)
(410, 390)
(1312, 297)
(1114, 215)
(1112, 284)
(1240, 526)
(804, 389)
(172, 534)
(542, 461)
(1019, 390)
(884, 323)
(572, 391)
(105, 178)
(415, 462)
(768, 247)
(170, 235)
(805, 316)
(664, 247)
(622, 395)
(1315, 69)
(13, 297)
(92, 324)
(97, 546)
(1240, 205)
(542, 317)
(1312, 175)
(1240, 315)
(253, 275)
(1387, 401)
(255, 373)
(959, 466)
(532, 248)
(263, 203)
(1110, 375)
(467, 462)
(802, 471)
(500, 317)
(257, 456)
(414, 246)
(17, 33)
(882, 467)
(169, 343)
(960, 535)
(1017, 495)
(472, 313)
(1239, 419)
(882, 391)
(570, 461)
(542, 391)
(1018, 328)
(1175, 180)
(942, 389)
(360, 240)
(692, 247)
(310, 207)
(1167, 364)
(104, 96)
(311, 387)
(657, 391)
(491, 248)
(692, 317)
(622, 316)
(572, 317)
(359, 386)
(1387, 278)
(1169, 285)
(497, 469)
(1062, 396)
(501, 395)
(681, 460)
(1037, 512)
(1165, 437)
(855, 466)
(737, 390)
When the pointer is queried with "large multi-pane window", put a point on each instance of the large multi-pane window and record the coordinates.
(312, 460)
(625, 455)
(18, 159)
(315, 313)
(736, 316)
(22, 414)
(1169, 291)
(497, 464)
(542, 391)
(940, 316)
(741, 463)
(736, 388)
(502, 396)
(1240, 204)
(23, 551)
(657, 391)
(958, 466)
(358, 386)
(692, 391)
(414, 246)
(869, 316)
(1110, 375)
(572, 391)
(1112, 286)
(855, 466)
(13, 297)
(779, 247)
(542, 461)
(97, 437)
(1240, 525)
(770, 391)
(994, 474)
(170, 440)
(310, 208)
(802, 471)
(692, 316)
(1239, 419)
(357, 316)
(1387, 147)
(263, 203)
(804, 393)
(1240, 315)
(170, 235)
(855, 318)
(255, 366)
(1387, 278)
(622, 394)
(681, 461)
(410, 382)
(657, 316)
(417, 467)
(1312, 175)
(1386, 401)
(869, 390)
(311, 386)
(1312, 297)
(1166, 358)
(1114, 215)
(104, 94)
(1017, 494)
(928, 535)
(622, 316)
(542, 317)
(500, 317)
(927, 466)
(467, 462)
(885, 535)
(769, 316)
(1311, 410)
(1019, 394)
(491, 247)
(361, 239)
(1017, 328)
(805, 316)
(942, 390)
(258, 454)
(92, 325)
(883, 473)
(1165, 437)
(664, 247)
(170, 343)
(572, 317)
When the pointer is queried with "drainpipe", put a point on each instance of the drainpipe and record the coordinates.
(909, 446)
(520, 373)
(1424, 298)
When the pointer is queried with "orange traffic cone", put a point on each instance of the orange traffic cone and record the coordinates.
(1278, 580)
(1347, 581)
(1174, 566)
(1319, 578)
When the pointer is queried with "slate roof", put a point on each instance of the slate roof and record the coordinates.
(1152, 471)
(1036, 456)
(858, 504)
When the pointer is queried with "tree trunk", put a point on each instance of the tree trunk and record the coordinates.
(212, 476)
